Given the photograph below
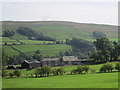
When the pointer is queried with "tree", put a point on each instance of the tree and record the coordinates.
(80, 69)
(104, 49)
(37, 52)
(98, 35)
(8, 33)
(37, 56)
(32, 34)
(86, 68)
(106, 67)
(58, 71)
(117, 66)
(46, 70)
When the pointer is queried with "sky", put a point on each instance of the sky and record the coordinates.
(81, 11)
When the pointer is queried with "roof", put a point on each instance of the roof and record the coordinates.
(25, 61)
(11, 67)
(31, 61)
(50, 59)
(70, 58)
(34, 61)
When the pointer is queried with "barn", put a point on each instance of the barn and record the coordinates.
(32, 64)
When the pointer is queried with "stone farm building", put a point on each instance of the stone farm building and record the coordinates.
(32, 64)
(65, 60)
(71, 60)
(51, 61)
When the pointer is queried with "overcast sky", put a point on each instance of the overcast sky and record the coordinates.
(92, 11)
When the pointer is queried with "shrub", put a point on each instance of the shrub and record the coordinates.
(109, 67)
(74, 71)
(17, 73)
(46, 70)
(58, 71)
(103, 68)
(117, 66)
(38, 72)
(86, 69)
(106, 67)
(80, 69)
(93, 71)
(43, 71)
(11, 74)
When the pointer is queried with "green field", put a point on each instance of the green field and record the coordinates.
(89, 80)
(46, 50)
(101, 80)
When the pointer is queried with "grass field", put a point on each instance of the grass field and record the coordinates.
(46, 50)
(101, 80)
(9, 51)
(89, 80)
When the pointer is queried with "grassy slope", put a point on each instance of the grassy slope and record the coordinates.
(62, 30)
(104, 80)
(47, 50)
(9, 51)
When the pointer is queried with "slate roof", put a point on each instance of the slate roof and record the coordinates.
(50, 59)
(70, 58)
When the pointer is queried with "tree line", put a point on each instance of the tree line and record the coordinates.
(33, 35)
(46, 71)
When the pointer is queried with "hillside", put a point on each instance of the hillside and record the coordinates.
(61, 29)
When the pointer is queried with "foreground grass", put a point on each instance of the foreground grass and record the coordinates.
(99, 80)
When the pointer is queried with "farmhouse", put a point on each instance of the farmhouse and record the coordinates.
(71, 60)
(51, 61)
(32, 64)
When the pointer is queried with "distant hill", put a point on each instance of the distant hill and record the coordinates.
(61, 29)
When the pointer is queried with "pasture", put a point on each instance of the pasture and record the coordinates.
(46, 50)
(88, 80)
(98, 80)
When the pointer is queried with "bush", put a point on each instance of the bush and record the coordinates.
(46, 70)
(74, 71)
(86, 69)
(38, 72)
(80, 69)
(58, 71)
(106, 67)
(103, 69)
(17, 73)
(43, 71)
(117, 66)
(11, 74)
(93, 71)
